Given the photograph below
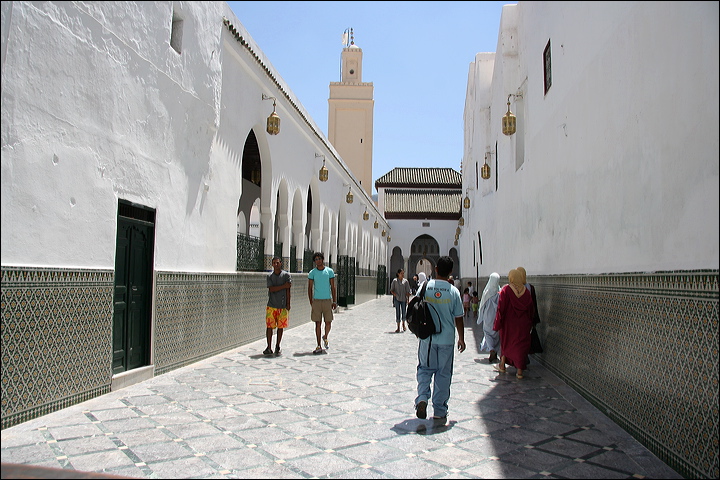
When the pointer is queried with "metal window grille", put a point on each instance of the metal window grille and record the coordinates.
(381, 280)
(307, 261)
(250, 254)
(293, 260)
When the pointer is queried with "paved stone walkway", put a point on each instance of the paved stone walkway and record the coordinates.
(347, 413)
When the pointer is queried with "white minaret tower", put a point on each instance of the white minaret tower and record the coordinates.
(350, 117)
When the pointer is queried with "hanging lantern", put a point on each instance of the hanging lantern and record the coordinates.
(485, 169)
(366, 215)
(376, 224)
(388, 238)
(509, 121)
(456, 242)
(457, 231)
(461, 222)
(466, 202)
(383, 232)
(323, 173)
(273, 121)
(349, 196)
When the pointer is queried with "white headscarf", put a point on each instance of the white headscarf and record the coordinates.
(492, 287)
(421, 279)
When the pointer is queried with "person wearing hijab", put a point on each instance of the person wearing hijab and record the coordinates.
(523, 273)
(486, 317)
(535, 346)
(513, 320)
(421, 279)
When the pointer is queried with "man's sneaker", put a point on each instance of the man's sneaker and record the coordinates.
(325, 341)
(267, 351)
(421, 409)
(318, 350)
(277, 350)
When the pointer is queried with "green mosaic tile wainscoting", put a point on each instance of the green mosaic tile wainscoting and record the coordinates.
(56, 339)
(199, 315)
(57, 328)
(365, 289)
(643, 348)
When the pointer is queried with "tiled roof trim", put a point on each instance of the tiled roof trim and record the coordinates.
(413, 201)
(426, 177)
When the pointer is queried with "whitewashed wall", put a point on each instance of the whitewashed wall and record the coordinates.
(404, 232)
(621, 156)
(97, 106)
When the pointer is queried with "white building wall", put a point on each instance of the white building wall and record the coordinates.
(404, 232)
(96, 107)
(620, 165)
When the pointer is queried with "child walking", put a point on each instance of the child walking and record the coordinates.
(466, 301)
(475, 304)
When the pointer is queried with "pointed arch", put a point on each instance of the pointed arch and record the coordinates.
(425, 249)
(251, 173)
(282, 222)
(298, 239)
(313, 212)
(342, 230)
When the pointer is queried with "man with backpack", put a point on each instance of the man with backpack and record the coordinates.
(436, 352)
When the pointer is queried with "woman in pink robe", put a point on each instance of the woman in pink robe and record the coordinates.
(513, 321)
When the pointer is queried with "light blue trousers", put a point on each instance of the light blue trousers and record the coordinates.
(437, 363)
(400, 310)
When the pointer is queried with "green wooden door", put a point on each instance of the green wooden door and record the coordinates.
(132, 296)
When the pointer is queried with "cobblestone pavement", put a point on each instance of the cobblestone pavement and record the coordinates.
(347, 413)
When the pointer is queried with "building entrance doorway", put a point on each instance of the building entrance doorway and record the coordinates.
(132, 299)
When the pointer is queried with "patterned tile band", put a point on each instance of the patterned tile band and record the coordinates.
(624, 341)
(56, 339)
(200, 315)
(643, 348)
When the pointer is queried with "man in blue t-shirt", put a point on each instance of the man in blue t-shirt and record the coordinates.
(435, 353)
(323, 298)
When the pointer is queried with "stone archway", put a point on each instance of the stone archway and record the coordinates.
(424, 253)
(424, 265)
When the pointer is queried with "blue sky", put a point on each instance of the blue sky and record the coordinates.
(416, 54)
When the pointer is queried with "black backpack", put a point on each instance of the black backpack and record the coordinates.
(419, 319)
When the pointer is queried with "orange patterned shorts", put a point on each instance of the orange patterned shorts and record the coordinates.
(276, 317)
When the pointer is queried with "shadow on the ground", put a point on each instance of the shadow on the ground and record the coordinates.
(422, 427)
(310, 354)
(477, 331)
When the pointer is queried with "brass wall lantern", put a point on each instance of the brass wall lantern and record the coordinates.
(388, 238)
(349, 196)
(455, 243)
(485, 169)
(461, 222)
(323, 173)
(376, 224)
(466, 202)
(366, 215)
(383, 232)
(273, 121)
(509, 121)
(457, 231)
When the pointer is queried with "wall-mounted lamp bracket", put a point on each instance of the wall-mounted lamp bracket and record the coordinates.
(273, 121)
